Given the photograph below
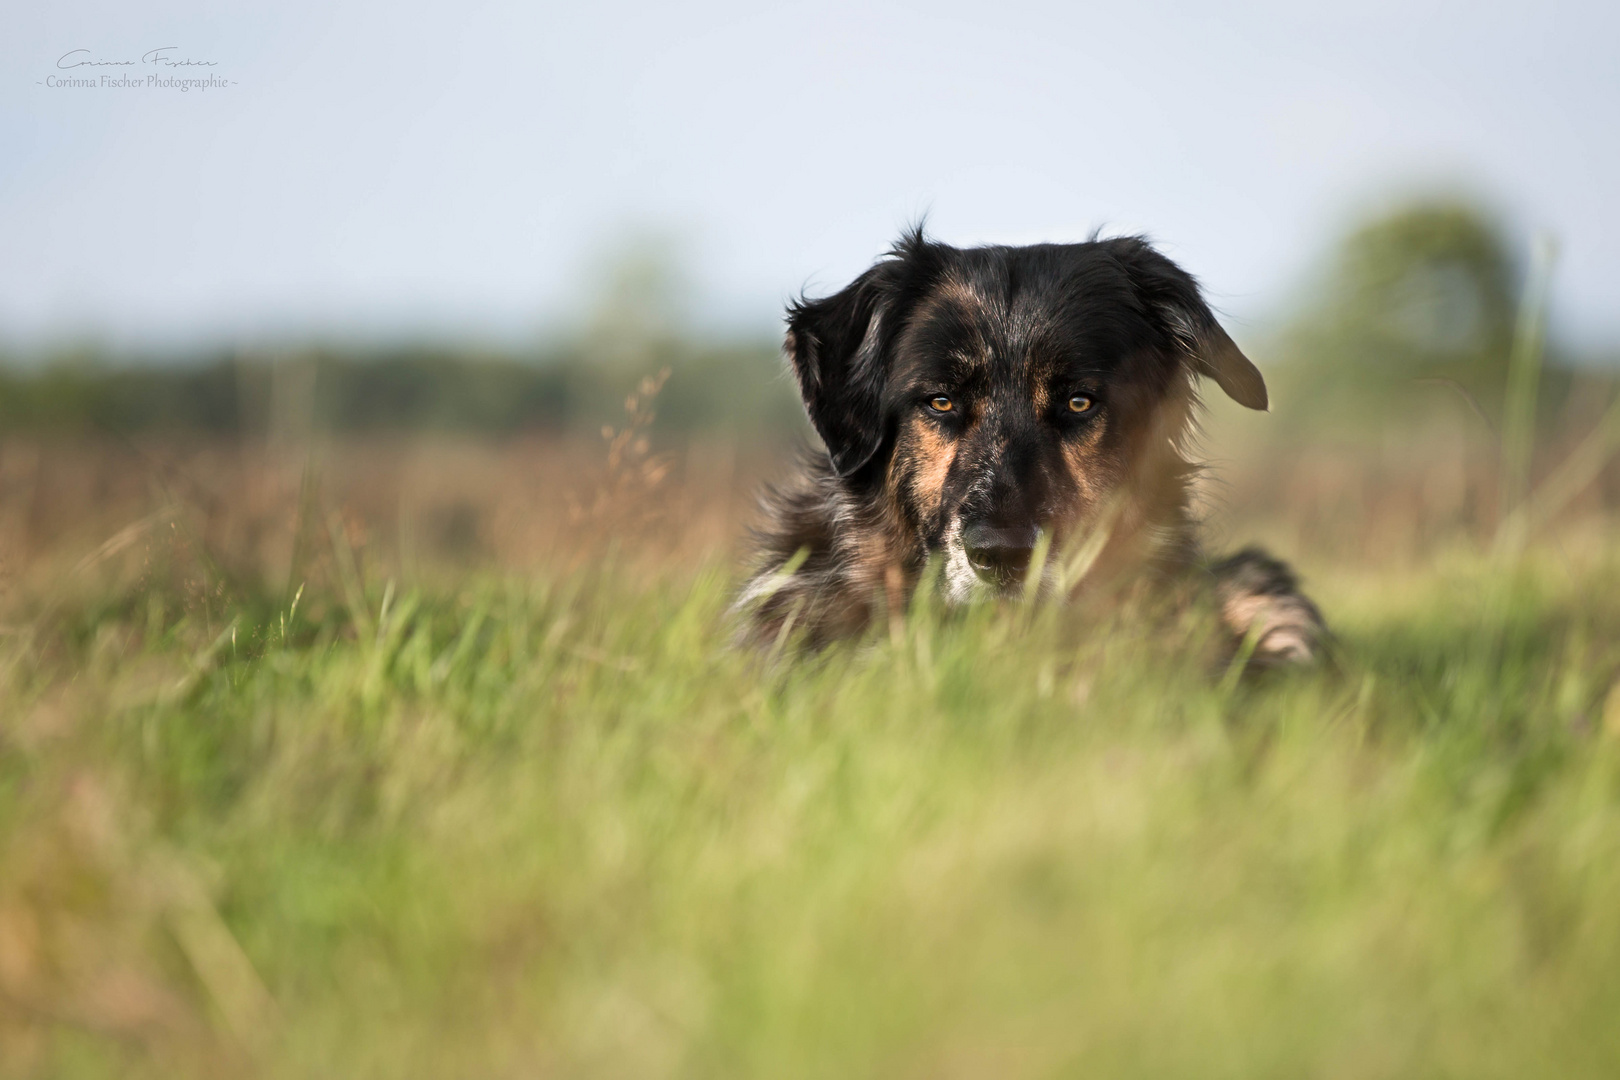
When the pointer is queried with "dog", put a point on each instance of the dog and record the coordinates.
(1019, 417)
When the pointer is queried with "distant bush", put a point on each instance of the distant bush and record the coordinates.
(1412, 306)
(1428, 288)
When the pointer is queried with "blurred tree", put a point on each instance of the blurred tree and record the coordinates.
(639, 321)
(1426, 293)
(638, 315)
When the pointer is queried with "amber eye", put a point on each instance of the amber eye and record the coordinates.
(1081, 403)
(941, 403)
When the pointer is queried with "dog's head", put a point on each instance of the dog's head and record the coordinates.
(997, 393)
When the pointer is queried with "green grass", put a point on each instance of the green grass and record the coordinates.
(561, 829)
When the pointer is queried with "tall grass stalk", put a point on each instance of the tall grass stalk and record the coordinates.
(1522, 392)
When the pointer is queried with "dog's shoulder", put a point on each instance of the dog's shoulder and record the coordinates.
(808, 573)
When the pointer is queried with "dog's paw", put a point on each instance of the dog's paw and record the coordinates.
(1259, 599)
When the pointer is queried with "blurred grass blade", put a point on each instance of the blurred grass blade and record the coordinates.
(1037, 566)
(1577, 472)
(1523, 385)
(249, 1011)
(1082, 556)
(354, 597)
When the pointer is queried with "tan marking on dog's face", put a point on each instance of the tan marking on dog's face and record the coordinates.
(1039, 399)
(1090, 466)
(926, 454)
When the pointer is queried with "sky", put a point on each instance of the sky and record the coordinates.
(465, 169)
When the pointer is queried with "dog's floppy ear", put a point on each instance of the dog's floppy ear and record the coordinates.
(839, 346)
(1172, 294)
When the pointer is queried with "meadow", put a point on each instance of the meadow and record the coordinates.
(379, 716)
(386, 757)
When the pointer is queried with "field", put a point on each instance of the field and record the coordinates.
(431, 758)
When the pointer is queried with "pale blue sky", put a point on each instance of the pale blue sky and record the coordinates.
(454, 168)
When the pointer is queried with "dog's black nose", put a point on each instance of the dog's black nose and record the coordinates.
(999, 556)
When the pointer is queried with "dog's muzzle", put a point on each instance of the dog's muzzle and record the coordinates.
(999, 556)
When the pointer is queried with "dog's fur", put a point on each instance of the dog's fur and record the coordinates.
(973, 400)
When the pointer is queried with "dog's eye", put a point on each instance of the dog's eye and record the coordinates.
(941, 403)
(1082, 403)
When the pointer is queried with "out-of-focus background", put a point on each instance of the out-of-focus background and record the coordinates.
(410, 261)
(383, 393)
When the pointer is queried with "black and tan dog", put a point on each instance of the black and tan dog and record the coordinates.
(996, 406)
